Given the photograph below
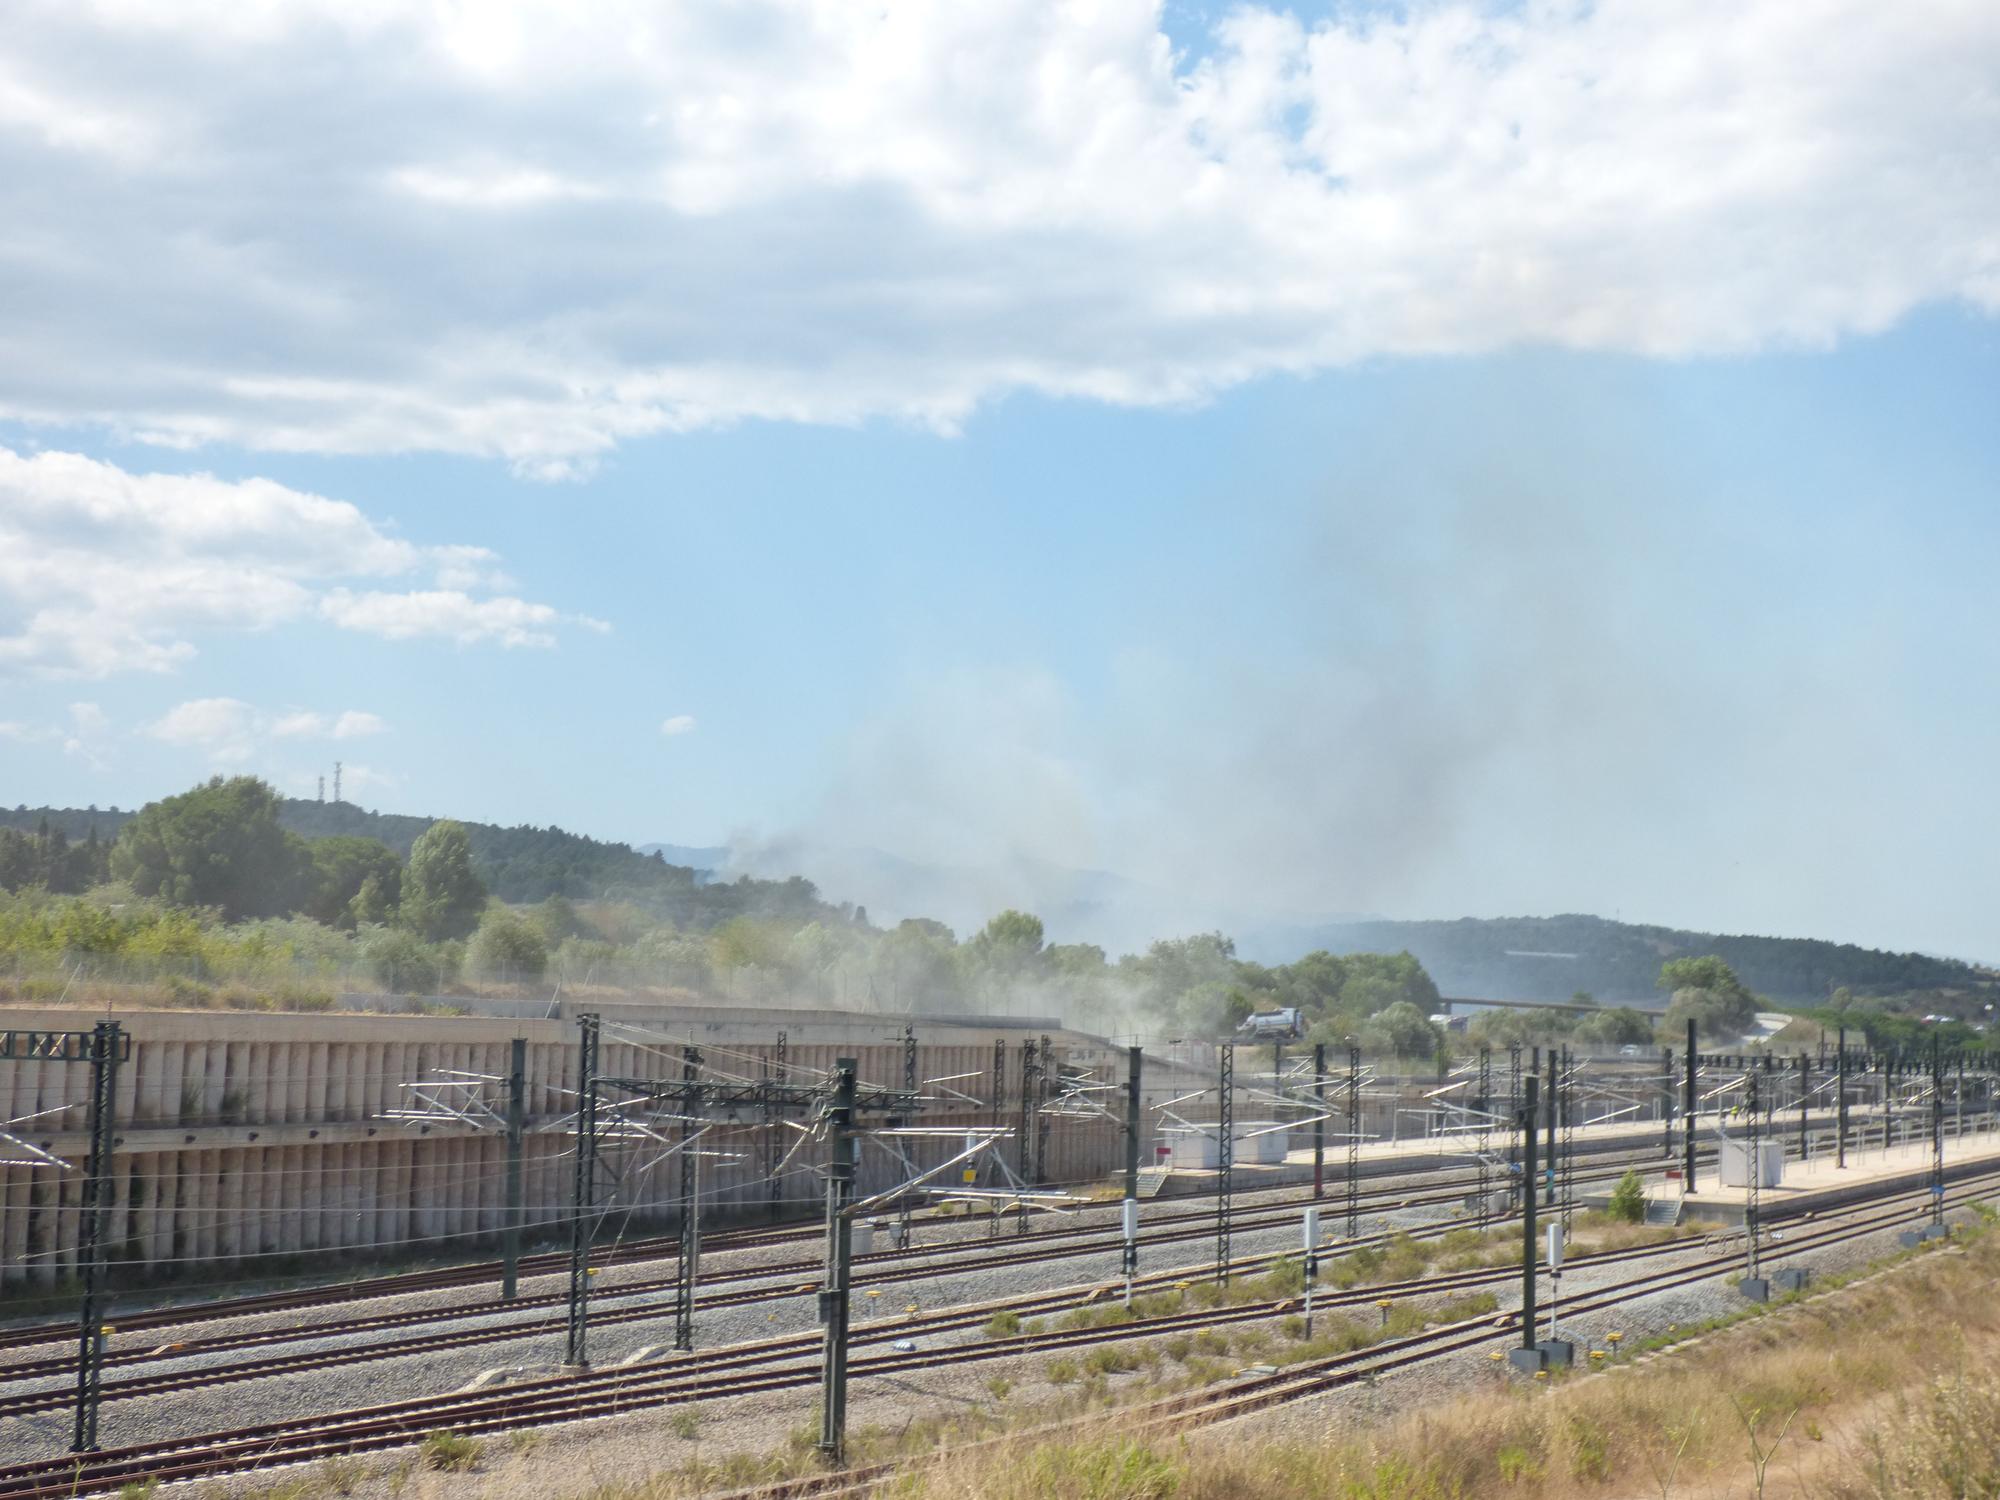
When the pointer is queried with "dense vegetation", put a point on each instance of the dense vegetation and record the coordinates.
(522, 864)
(230, 888)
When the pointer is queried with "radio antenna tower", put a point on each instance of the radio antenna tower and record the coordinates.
(336, 781)
(322, 788)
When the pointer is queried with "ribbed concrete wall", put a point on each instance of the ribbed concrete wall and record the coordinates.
(263, 1135)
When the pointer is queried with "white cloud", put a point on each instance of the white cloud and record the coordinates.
(82, 736)
(232, 732)
(353, 724)
(678, 724)
(227, 729)
(105, 571)
(451, 614)
(554, 227)
(302, 724)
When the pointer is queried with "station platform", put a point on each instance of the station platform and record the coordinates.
(1817, 1185)
(1409, 1156)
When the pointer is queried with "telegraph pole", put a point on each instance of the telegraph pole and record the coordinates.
(1667, 1103)
(910, 1088)
(833, 1301)
(1937, 1137)
(1225, 1155)
(1805, 1091)
(1549, 1104)
(106, 1042)
(688, 1269)
(1840, 1104)
(1030, 1074)
(1687, 1116)
(517, 1114)
(584, 1194)
(1353, 1142)
(1529, 1114)
(1134, 1065)
(1319, 1120)
(774, 1065)
(1753, 1174)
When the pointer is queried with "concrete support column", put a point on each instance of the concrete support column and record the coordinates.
(144, 1066)
(235, 1100)
(203, 1083)
(229, 1228)
(319, 1079)
(427, 1188)
(39, 1256)
(312, 1198)
(323, 1181)
(173, 1077)
(353, 1072)
(451, 1156)
(208, 1223)
(334, 1216)
(266, 1198)
(13, 1224)
(277, 1074)
(180, 1243)
(289, 1195)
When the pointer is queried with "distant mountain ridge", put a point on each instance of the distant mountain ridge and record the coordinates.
(520, 864)
(1550, 958)
(1508, 958)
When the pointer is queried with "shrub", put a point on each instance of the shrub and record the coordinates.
(1109, 1359)
(1004, 1324)
(506, 948)
(451, 1452)
(1628, 1199)
(399, 961)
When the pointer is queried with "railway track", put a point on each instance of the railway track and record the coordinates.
(1249, 1394)
(725, 1374)
(964, 1316)
(667, 1248)
(991, 1256)
(922, 1261)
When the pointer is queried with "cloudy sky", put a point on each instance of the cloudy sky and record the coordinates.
(1426, 459)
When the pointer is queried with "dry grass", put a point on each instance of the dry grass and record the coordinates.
(1804, 1386)
(1886, 1389)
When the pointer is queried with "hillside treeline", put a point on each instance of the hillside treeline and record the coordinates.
(225, 893)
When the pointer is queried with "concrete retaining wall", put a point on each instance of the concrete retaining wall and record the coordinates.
(245, 1135)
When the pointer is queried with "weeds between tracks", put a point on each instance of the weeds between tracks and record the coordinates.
(1870, 1387)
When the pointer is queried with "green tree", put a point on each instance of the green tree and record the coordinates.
(1614, 1028)
(375, 902)
(341, 866)
(442, 897)
(400, 962)
(914, 964)
(1010, 944)
(557, 918)
(217, 845)
(506, 948)
(1376, 981)
(1707, 992)
(1401, 1030)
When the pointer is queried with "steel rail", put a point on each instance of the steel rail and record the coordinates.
(371, 1429)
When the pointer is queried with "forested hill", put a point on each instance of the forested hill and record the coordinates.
(518, 864)
(1550, 958)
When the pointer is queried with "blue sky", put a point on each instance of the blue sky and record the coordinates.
(1633, 568)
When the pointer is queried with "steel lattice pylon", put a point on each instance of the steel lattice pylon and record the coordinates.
(1225, 1154)
(1353, 1142)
